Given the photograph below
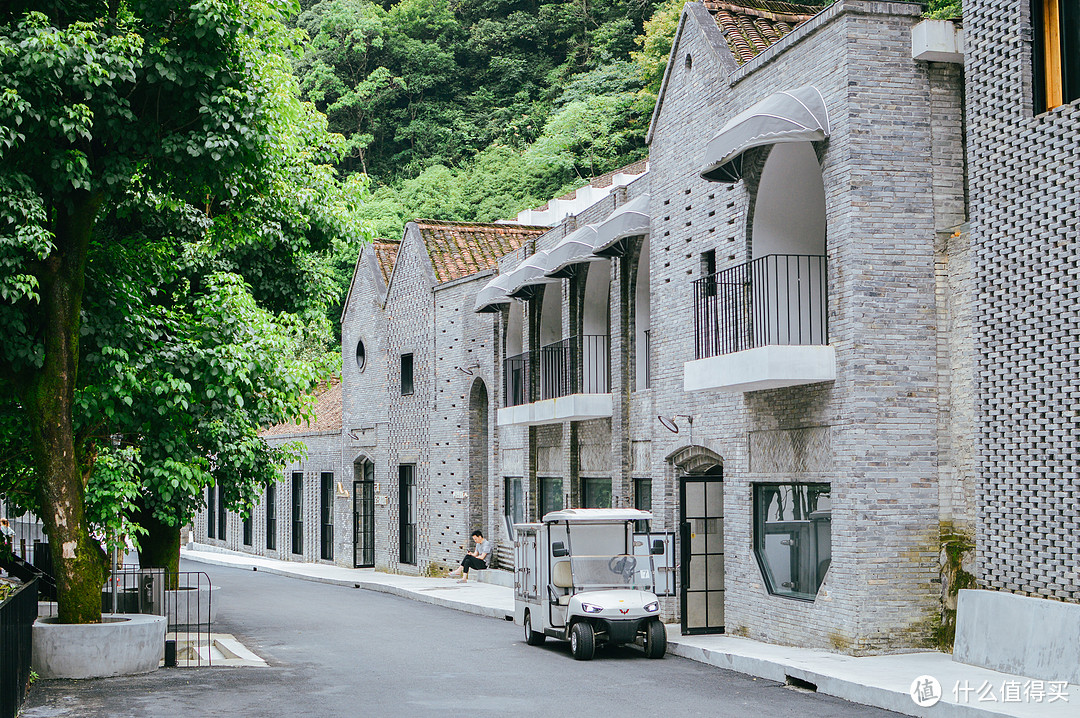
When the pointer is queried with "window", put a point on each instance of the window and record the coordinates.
(361, 354)
(407, 513)
(642, 501)
(708, 272)
(514, 500)
(551, 497)
(247, 527)
(271, 517)
(298, 512)
(222, 514)
(211, 513)
(793, 537)
(596, 493)
(406, 374)
(1056, 52)
(326, 511)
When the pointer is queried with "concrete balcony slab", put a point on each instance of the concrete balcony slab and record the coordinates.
(576, 407)
(768, 367)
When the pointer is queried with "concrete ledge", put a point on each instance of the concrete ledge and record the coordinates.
(120, 645)
(494, 576)
(1027, 636)
(769, 367)
(576, 407)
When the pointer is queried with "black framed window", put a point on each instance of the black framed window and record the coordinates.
(1055, 28)
(222, 514)
(271, 517)
(514, 499)
(596, 493)
(247, 529)
(297, 505)
(550, 496)
(642, 501)
(211, 513)
(407, 513)
(793, 537)
(361, 355)
(326, 516)
(406, 374)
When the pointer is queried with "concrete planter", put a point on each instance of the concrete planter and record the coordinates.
(191, 606)
(118, 646)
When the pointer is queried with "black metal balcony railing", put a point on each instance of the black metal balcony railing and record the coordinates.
(577, 365)
(777, 299)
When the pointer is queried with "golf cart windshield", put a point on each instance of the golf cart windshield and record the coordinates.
(611, 571)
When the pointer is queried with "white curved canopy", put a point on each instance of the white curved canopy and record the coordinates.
(793, 116)
(575, 249)
(593, 516)
(630, 220)
(528, 277)
(493, 294)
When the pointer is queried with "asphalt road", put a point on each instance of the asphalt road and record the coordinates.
(335, 651)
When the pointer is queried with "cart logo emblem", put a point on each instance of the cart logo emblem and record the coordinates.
(624, 610)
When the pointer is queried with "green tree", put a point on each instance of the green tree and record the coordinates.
(165, 95)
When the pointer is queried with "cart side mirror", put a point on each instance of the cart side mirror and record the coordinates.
(558, 549)
(657, 547)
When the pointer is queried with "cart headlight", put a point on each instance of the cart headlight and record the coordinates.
(652, 607)
(589, 608)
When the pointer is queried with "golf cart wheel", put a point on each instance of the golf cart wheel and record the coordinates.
(532, 637)
(655, 639)
(582, 641)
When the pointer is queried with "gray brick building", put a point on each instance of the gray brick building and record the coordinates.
(779, 362)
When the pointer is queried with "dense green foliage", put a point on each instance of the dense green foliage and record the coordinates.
(478, 109)
(170, 227)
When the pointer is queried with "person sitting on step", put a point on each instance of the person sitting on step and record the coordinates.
(475, 559)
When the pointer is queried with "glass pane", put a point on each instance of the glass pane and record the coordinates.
(697, 535)
(716, 608)
(793, 536)
(715, 567)
(695, 498)
(695, 610)
(697, 574)
(714, 503)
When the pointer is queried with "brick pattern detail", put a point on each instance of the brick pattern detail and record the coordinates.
(1024, 233)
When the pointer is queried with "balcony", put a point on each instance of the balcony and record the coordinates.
(569, 380)
(762, 325)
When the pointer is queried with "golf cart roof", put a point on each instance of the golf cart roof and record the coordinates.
(595, 516)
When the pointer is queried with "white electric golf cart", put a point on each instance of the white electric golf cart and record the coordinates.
(580, 577)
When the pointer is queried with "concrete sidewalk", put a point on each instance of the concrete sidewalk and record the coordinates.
(880, 681)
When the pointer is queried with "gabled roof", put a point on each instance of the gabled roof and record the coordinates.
(385, 253)
(751, 26)
(458, 249)
(327, 415)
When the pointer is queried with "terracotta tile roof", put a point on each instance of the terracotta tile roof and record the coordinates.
(751, 26)
(327, 415)
(458, 249)
(385, 253)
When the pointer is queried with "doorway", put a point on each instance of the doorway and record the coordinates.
(701, 533)
(363, 514)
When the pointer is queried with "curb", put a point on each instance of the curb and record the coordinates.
(487, 611)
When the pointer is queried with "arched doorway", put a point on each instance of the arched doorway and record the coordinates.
(700, 474)
(363, 513)
(479, 416)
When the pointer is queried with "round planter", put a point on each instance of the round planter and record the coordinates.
(118, 646)
(191, 606)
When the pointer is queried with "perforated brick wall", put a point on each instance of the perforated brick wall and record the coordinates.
(1025, 183)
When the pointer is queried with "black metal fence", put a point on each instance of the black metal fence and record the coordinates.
(577, 365)
(184, 598)
(777, 299)
(17, 616)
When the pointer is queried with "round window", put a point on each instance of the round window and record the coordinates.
(361, 354)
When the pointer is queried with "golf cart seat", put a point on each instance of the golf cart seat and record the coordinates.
(563, 580)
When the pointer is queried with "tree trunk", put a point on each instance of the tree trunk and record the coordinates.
(48, 396)
(160, 546)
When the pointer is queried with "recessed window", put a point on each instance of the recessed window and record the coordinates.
(793, 537)
(271, 517)
(689, 62)
(406, 374)
(642, 501)
(297, 506)
(361, 354)
(1056, 52)
(596, 493)
(514, 500)
(550, 495)
(407, 513)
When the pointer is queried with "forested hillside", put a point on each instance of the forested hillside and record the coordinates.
(473, 110)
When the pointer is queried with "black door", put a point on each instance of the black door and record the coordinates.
(364, 516)
(701, 532)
